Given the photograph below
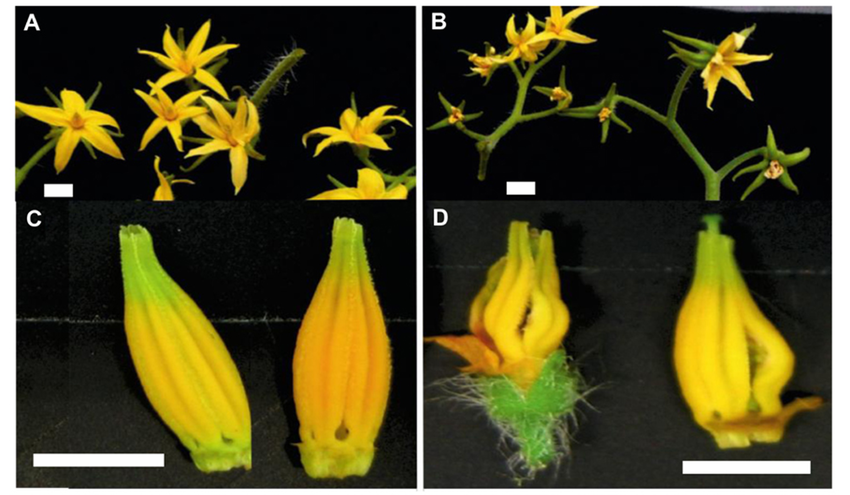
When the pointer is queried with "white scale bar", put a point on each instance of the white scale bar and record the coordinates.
(746, 467)
(98, 460)
(59, 190)
(516, 188)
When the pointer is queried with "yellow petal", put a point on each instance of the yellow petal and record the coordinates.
(222, 116)
(481, 358)
(210, 127)
(238, 167)
(510, 32)
(348, 121)
(336, 138)
(163, 192)
(711, 78)
(191, 112)
(341, 193)
(370, 183)
(374, 141)
(176, 131)
(732, 75)
(745, 59)
(239, 118)
(198, 41)
(252, 127)
(530, 28)
(170, 77)
(575, 13)
(161, 58)
(398, 192)
(209, 80)
(170, 46)
(153, 103)
(49, 115)
(208, 55)
(65, 147)
(211, 147)
(321, 131)
(93, 117)
(189, 98)
(102, 141)
(72, 102)
(156, 126)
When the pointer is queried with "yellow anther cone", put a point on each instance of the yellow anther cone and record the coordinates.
(185, 368)
(342, 368)
(731, 362)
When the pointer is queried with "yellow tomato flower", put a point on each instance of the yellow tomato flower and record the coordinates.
(341, 368)
(558, 26)
(191, 61)
(484, 65)
(524, 44)
(518, 318)
(79, 123)
(370, 185)
(355, 130)
(170, 114)
(232, 133)
(164, 192)
(726, 58)
(731, 362)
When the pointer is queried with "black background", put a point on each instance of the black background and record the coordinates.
(792, 92)
(369, 51)
(252, 267)
(625, 269)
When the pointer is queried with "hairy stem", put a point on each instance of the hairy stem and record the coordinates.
(282, 67)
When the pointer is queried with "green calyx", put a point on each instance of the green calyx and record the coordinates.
(536, 419)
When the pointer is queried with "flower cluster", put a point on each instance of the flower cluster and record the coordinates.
(236, 133)
(363, 134)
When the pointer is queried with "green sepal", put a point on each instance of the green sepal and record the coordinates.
(89, 149)
(472, 116)
(543, 90)
(694, 42)
(791, 159)
(446, 105)
(772, 151)
(181, 38)
(254, 154)
(354, 103)
(438, 125)
(785, 180)
(215, 68)
(758, 167)
(56, 101)
(94, 96)
(696, 60)
(757, 182)
(534, 419)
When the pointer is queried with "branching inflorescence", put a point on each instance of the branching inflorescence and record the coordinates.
(528, 54)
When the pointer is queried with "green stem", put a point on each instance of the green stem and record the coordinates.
(673, 107)
(642, 108)
(282, 67)
(197, 163)
(738, 160)
(712, 180)
(488, 143)
(538, 115)
(21, 173)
